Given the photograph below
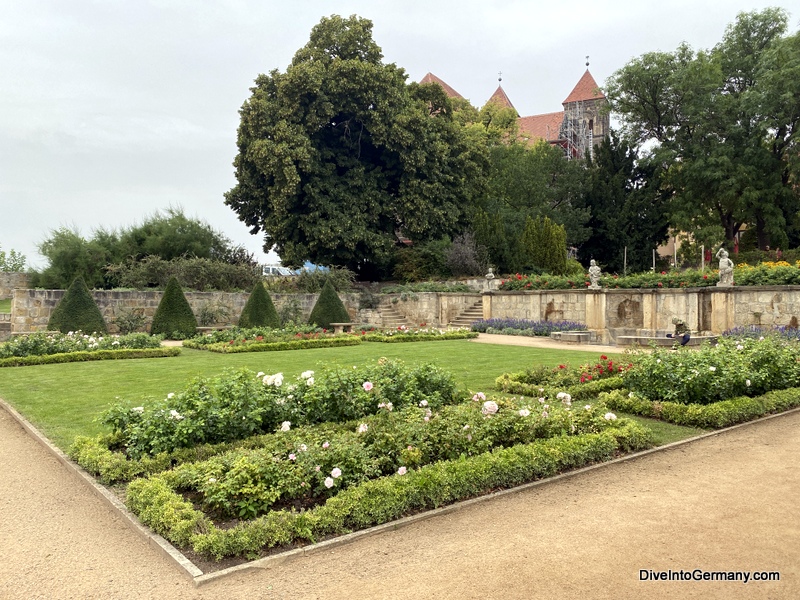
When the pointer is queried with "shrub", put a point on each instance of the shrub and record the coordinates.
(735, 367)
(466, 257)
(77, 311)
(174, 317)
(130, 320)
(329, 308)
(259, 311)
(83, 356)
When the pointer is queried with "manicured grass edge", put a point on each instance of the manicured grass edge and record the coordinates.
(83, 356)
(224, 348)
(378, 501)
(708, 416)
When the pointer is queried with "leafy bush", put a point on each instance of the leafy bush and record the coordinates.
(239, 335)
(174, 318)
(375, 501)
(311, 281)
(76, 311)
(194, 273)
(329, 308)
(293, 344)
(43, 343)
(83, 356)
(424, 334)
(240, 403)
(427, 286)
(259, 311)
(11, 262)
(715, 415)
(735, 367)
(423, 261)
(130, 320)
(525, 326)
(466, 257)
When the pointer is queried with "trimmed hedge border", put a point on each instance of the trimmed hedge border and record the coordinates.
(709, 416)
(584, 391)
(68, 357)
(378, 501)
(418, 337)
(275, 346)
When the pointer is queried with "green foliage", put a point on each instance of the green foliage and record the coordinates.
(544, 245)
(174, 318)
(259, 311)
(168, 237)
(421, 287)
(418, 335)
(722, 126)
(129, 320)
(338, 150)
(423, 261)
(328, 308)
(626, 206)
(734, 367)
(197, 273)
(84, 356)
(42, 343)
(311, 281)
(379, 500)
(688, 278)
(295, 344)
(77, 311)
(12, 261)
(716, 415)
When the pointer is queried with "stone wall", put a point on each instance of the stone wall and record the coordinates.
(31, 309)
(608, 312)
(11, 281)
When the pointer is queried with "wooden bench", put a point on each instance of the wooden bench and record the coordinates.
(342, 327)
(663, 341)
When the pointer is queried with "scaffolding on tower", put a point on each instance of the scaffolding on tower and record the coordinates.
(575, 135)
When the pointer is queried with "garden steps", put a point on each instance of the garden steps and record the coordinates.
(469, 316)
(390, 318)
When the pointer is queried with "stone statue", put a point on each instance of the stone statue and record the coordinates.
(725, 268)
(594, 275)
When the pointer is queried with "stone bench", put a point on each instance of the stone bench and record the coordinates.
(663, 341)
(572, 337)
(342, 327)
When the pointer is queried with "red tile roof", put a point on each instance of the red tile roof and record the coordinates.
(538, 127)
(500, 97)
(431, 78)
(586, 89)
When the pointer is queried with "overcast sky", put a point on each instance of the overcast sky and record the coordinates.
(113, 109)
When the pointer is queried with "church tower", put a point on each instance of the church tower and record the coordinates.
(586, 119)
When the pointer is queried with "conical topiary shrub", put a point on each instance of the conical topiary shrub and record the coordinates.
(174, 317)
(77, 311)
(329, 308)
(259, 311)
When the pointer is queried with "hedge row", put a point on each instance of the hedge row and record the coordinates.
(419, 337)
(713, 416)
(584, 391)
(377, 501)
(274, 346)
(67, 357)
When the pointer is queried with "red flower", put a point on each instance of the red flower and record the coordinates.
(260, 337)
(663, 272)
(705, 276)
(562, 366)
(230, 342)
(603, 357)
(588, 283)
(589, 377)
(519, 277)
(660, 284)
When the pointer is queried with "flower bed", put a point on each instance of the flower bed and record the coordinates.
(295, 344)
(265, 339)
(734, 367)
(423, 334)
(525, 326)
(350, 448)
(533, 380)
(45, 348)
(50, 359)
(44, 343)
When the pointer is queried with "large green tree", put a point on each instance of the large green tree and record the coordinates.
(338, 156)
(629, 214)
(720, 125)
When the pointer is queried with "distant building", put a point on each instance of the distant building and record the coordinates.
(577, 129)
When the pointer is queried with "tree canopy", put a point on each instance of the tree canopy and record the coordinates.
(721, 127)
(338, 156)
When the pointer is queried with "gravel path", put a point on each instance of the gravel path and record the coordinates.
(727, 502)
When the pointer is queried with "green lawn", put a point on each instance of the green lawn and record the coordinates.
(5, 305)
(63, 400)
